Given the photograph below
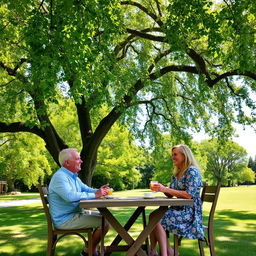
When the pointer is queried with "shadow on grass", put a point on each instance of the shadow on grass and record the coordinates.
(23, 232)
(235, 232)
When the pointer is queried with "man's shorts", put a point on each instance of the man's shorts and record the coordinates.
(83, 220)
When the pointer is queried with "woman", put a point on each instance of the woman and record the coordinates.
(186, 220)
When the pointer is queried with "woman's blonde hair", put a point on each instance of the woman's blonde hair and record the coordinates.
(189, 159)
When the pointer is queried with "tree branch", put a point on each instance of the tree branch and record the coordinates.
(174, 68)
(232, 73)
(158, 8)
(147, 36)
(3, 85)
(153, 113)
(41, 4)
(201, 65)
(84, 119)
(145, 10)
(12, 71)
(230, 87)
(199, 61)
(20, 127)
(2, 144)
(5, 26)
(158, 58)
(123, 44)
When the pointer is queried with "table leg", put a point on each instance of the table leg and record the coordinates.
(129, 223)
(121, 231)
(144, 225)
(102, 236)
(176, 245)
(146, 232)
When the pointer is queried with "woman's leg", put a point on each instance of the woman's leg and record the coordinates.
(158, 235)
(170, 251)
(153, 241)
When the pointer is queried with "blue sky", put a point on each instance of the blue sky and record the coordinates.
(247, 139)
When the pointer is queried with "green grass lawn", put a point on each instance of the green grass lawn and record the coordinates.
(18, 197)
(23, 228)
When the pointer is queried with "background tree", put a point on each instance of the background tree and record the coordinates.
(151, 59)
(146, 172)
(252, 165)
(225, 162)
(23, 158)
(247, 176)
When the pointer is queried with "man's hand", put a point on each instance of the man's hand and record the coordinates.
(105, 186)
(102, 191)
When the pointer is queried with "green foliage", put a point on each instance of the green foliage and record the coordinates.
(247, 175)
(161, 159)
(225, 161)
(65, 122)
(24, 158)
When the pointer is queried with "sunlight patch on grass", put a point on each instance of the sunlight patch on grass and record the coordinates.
(18, 235)
(19, 197)
(223, 238)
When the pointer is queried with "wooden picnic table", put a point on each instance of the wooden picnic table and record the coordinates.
(133, 246)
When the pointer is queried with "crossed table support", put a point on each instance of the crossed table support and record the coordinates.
(133, 246)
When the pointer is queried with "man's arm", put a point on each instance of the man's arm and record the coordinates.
(66, 190)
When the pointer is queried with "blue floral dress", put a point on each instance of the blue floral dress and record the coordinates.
(186, 220)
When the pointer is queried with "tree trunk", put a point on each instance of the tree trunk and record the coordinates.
(87, 168)
(10, 185)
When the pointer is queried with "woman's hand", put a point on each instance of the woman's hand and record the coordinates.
(159, 188)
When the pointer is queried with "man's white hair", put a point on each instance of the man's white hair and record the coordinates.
(66, 154)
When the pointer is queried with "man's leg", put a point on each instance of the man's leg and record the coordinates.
(96, 238)
(92, 220)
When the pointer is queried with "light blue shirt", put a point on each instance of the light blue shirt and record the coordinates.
(65, 191)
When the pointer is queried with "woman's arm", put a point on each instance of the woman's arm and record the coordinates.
(168, 195)
(171, 192)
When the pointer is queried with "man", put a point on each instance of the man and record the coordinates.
(65, 191)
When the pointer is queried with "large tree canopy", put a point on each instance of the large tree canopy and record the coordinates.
(157, 65)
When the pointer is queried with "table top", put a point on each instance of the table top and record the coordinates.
(134, 201)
